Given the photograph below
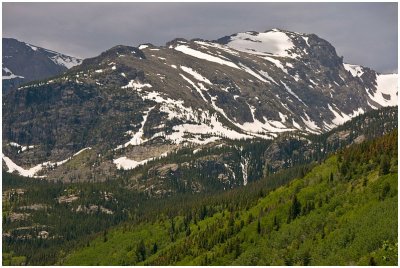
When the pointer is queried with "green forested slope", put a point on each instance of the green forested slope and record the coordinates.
(342, 212)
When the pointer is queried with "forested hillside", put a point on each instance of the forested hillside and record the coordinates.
(44, 221)
(342, 212)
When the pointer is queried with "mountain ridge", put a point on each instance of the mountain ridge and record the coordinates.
(24, 62)
(190, 92)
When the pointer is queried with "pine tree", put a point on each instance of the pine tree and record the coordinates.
(276, 224)
(372, 262)
(384, 167)
(155, 248)
(141, 251)
(295, 209)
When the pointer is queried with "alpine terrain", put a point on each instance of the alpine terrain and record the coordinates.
(132, 105)
(259, 148)
(23, 62)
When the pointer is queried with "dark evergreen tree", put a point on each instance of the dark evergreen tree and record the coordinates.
(295, 209)
(155, 248)
(141, 251)
(384, 167)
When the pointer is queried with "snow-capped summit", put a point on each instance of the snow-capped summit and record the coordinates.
(271, 42)
(62, 59)
(244, 86)
(24, 62)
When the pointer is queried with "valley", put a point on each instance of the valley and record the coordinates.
(257, 148)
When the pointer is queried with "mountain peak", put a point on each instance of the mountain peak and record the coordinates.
(253, 85)
(272, 42)
(24, 62)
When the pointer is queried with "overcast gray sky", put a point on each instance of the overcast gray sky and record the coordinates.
(364, 33)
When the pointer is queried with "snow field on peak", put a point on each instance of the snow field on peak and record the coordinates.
(272, 42)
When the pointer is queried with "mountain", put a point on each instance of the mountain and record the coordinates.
(23, 62)
(342, 212)
(131, 105)
(345, 213)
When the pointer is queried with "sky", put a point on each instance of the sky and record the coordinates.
(363, 33)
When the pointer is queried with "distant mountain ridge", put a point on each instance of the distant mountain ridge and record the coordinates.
(23, 62)
(130, 105)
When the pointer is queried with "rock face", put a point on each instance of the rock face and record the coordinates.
(24, 62)
(129, 100)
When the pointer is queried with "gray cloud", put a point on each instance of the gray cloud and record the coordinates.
(364, 33)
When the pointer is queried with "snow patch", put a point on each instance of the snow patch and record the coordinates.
(195, 87)
(204, 56)
(84, 149)
(137, 85)
(277, 63)
(283, 117)
(266, 75)
(355, 70)
(31, 172)
(296, 125)
(311, 125)
(250, 71)
(386, 86)
(21, 148)
(306, 39)
(127, 164)
(271, 42)
(196, 151)
(292, 93)
(65, 61)
(137, 137)
(31, 46)
(218, 46)
(143, 46)
(196, 75)
(339, 117)
(9, 74)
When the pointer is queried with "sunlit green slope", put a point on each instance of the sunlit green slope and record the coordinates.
(343, 212)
